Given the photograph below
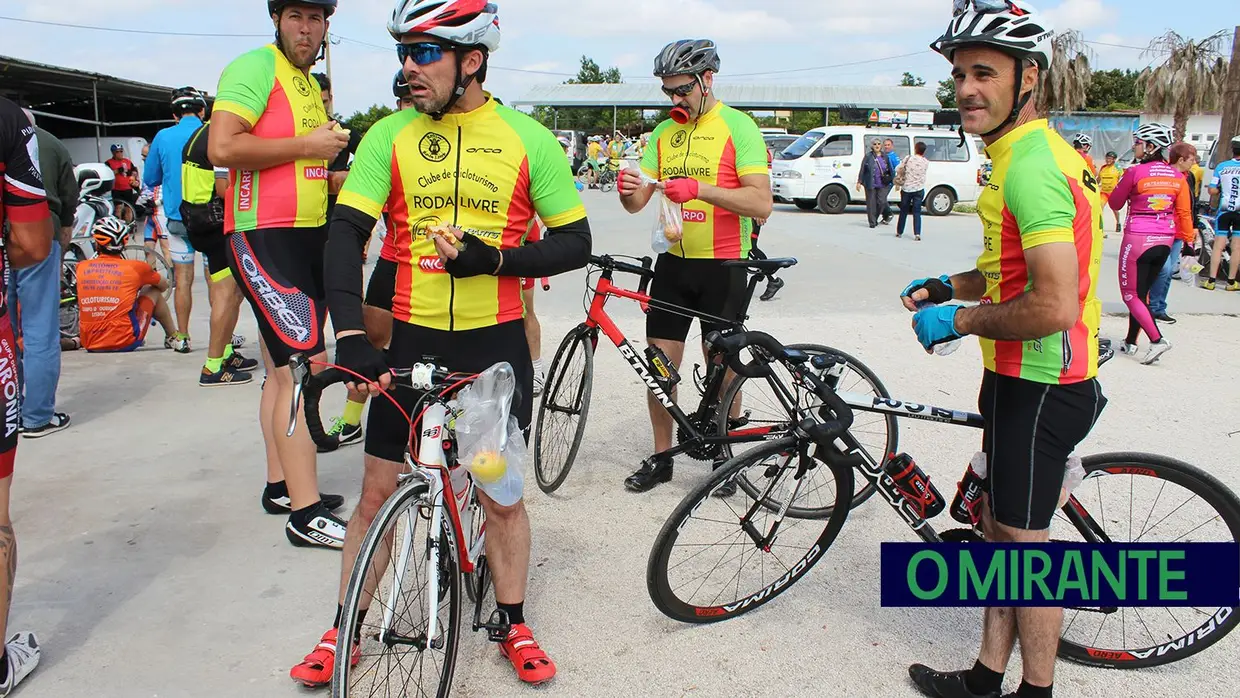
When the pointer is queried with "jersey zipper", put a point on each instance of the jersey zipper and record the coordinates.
(1066, 342)
(685, 166)
(456, 212)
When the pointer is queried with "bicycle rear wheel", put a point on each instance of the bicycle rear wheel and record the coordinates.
(719, 557)
(156, 260)
(877, 433)
(390, 579)
(563, 409)
(1140, 497)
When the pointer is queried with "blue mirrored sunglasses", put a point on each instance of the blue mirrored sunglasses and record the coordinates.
(422, 53)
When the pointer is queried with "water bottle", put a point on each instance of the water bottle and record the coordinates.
(914, 485)
(943, 348)
(966, 507)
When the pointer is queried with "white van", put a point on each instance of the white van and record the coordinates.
(820, 169)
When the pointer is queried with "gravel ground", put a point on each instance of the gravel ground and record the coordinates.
(148, 568)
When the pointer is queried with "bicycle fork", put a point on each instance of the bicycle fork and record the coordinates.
(764, 542)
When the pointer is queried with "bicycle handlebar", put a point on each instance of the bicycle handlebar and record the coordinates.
(836, 414)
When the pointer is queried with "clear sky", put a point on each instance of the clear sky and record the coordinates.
(550, 36)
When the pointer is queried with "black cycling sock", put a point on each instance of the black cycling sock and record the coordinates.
(4, 665)
(275, 490)
(357, 629)
(982, 680)
(339, 615)
(515, 611)
(302, 517)
(1028, 690)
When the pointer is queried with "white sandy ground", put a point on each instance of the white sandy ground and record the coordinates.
(148, 568)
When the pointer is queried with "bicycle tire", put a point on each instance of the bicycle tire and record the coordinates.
(1218, 497)
(578, 342)
(864, 489)
(658, 582)
(397, 506)
(161, 266)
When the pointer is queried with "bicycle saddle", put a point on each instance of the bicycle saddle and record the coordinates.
(765, 266)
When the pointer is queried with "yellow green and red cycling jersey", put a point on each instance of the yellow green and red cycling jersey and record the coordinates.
(487, 172)
(277, 100)
(719, 148)
(1040, 192)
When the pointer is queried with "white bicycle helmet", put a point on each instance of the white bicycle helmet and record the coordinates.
(462, 22)
(1156, 134)
(109, 234)
(1016, 29)
(1082, 139)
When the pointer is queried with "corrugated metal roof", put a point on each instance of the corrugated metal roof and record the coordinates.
(747, 96)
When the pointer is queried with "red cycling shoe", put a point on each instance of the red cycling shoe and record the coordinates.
(317, 668)
(531, 663)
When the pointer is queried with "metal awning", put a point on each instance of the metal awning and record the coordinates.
(756, 97)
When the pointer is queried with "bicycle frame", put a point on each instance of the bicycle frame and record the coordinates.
(598, 319)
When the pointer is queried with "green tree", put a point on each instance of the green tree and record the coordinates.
(592, 120)
(362, 121)
(1113, 90)
(910, 80)
(947, 93)
(1190, 79)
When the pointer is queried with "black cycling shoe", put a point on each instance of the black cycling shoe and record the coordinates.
(283, 505)
(940, 684)
(772, 287)
(728, 488)
(654, 471)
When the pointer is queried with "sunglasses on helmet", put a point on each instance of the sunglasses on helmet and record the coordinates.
(421, 53)
(682, 91)
(960, 7)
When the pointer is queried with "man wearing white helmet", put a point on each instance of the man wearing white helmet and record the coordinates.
(1037, 320)
(459, 161)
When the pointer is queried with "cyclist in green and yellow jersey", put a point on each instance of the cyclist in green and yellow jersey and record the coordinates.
(1037, 320)
(269, 128)
(711, 159)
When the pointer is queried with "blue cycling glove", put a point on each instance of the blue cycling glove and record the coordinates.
(940, 289)
(936, 325)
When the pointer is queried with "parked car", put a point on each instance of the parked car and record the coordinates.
(819, 170)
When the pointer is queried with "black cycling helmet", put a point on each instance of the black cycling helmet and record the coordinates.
(687, 57)
(1112, 154)
(274, 6)
(400, 86)
(187, 99)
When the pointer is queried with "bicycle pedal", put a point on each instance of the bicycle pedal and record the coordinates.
(961, 535)
(498, 626)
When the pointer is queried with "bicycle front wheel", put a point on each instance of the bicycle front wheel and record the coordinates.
(391, 580)
(718, 557)
(157, 262)
(563, 409)
(1144, 498)
(878, 434)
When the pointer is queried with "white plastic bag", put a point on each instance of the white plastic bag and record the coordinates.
(1073, 475)
(1189, 268)
(668, 225)
(489, 441)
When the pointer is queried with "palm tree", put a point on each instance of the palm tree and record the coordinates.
(1189, 81)
(1065, 86)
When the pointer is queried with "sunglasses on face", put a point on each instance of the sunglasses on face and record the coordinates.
(683, 91)
(422, 53)
(959, 7)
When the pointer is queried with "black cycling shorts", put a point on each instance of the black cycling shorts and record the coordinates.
(280, 272)
(1031, 429)
(1228, 223)
(382, 285)
(701, 285)
(472, 351)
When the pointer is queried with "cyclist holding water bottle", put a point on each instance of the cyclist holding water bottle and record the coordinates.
(711, 159)
(1037, 320)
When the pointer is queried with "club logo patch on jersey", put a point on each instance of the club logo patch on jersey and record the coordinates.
(678, 139)
(1160, 202)
(434, 147)
(302, 87)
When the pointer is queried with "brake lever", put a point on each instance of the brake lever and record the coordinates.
(300, 369)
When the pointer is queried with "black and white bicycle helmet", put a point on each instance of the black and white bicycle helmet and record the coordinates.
(687, 57)
(461, 22)
(1082, 139)
(1016, 29)
(400, 86)
(187, 97)
(1155, 134)
(109, 234)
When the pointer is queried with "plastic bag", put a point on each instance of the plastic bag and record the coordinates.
(668, 225)
(489, 441)
(1073, 475)
(1189, 268)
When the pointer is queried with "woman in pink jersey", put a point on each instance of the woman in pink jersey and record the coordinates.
(1159, 206)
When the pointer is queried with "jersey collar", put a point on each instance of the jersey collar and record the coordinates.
(1004, 145)
(710, 115)
(461, 119)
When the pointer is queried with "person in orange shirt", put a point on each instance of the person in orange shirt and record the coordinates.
(117, 297)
